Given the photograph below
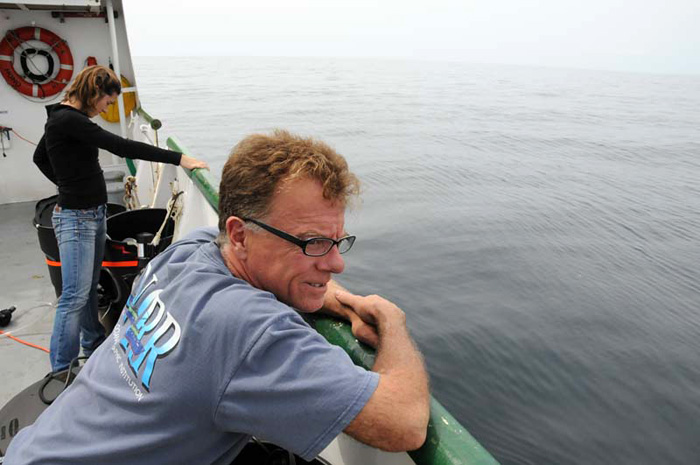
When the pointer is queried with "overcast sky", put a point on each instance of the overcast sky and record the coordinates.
(633, 35)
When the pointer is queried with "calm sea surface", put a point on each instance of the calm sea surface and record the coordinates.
(540, 227)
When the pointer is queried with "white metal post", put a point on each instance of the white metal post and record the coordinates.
(115, 63)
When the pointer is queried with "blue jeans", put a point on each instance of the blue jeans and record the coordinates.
(81, 236)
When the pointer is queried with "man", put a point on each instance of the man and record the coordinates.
(211, 349)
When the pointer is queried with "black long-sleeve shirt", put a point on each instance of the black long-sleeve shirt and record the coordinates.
(67, 154)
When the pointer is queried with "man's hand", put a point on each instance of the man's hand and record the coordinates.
(371, 315)
(373, 309)
(363, 330)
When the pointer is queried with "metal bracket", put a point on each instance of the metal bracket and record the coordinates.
(5, 135)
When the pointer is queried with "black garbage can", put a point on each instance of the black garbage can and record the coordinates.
(43, 212)
(121, 262)
(126, 253)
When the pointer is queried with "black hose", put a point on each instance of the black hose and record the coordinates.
(56, 375)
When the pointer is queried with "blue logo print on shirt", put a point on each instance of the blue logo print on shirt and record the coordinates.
(153, 332)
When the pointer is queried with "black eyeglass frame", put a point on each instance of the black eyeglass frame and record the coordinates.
(302, 243)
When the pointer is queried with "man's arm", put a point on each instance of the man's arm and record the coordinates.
(396, 416)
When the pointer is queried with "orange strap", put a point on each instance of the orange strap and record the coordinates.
(125, 264)
(25, 342)
(121, 264)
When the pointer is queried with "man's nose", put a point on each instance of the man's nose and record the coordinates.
(332, 261)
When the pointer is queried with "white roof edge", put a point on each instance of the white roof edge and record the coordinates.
(56, 3)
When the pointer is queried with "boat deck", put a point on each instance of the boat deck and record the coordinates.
(24, 284)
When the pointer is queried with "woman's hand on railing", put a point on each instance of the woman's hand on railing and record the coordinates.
(191, 163)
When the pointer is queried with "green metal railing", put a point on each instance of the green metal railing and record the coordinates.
(448, 442)
(204, 180)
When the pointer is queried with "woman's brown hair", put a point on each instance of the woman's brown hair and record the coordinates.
(91, 84)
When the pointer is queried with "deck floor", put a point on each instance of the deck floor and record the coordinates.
(25, 284)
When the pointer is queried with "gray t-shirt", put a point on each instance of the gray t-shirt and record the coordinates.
(199, 361)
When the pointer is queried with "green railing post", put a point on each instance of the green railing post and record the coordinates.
(202, 178)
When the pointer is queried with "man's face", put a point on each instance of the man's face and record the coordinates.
(276, 265)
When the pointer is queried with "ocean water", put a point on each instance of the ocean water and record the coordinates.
(540, 227)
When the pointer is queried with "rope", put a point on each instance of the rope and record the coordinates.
(14, 338)
(131, 197)
(23, 327)
(26, 140)
(173, 212)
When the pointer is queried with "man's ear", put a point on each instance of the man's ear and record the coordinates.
(236, 233)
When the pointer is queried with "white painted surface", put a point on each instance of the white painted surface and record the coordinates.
(20, 179)
(88, 3)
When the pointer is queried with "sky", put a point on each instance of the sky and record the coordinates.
(656, 36)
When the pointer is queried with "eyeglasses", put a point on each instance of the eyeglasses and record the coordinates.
(314, 247)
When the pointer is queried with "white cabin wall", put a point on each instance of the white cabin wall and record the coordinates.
(20, 180)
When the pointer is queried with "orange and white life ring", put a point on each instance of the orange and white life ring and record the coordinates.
(38, 86)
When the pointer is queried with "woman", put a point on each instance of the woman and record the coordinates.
(68, 155)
